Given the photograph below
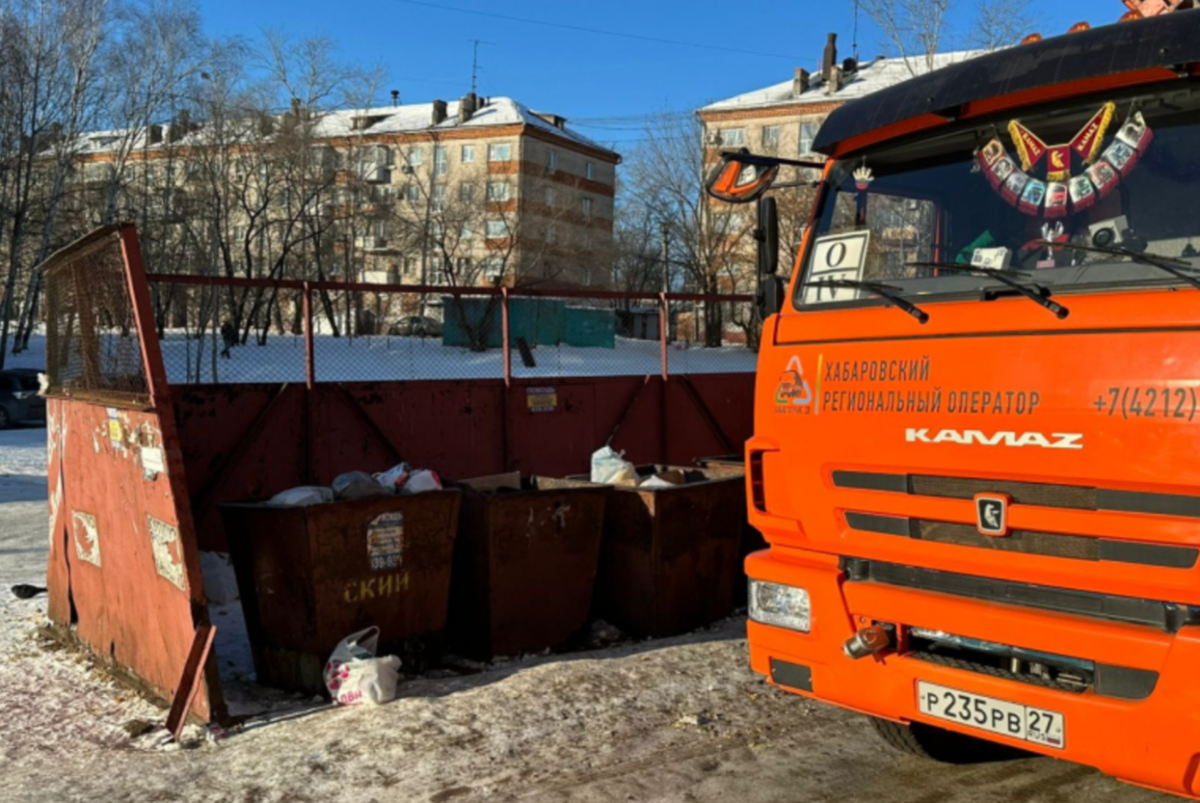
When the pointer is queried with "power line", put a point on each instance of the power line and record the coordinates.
(582, 29)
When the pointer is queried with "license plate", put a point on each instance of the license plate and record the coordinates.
(1014, 720)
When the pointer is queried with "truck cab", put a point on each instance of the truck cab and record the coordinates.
(976, 450)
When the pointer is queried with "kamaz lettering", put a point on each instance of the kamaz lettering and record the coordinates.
(1056, 440)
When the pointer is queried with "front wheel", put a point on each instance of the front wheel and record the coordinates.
(5, 420)
(938, 744)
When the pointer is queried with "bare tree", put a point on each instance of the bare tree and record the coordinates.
(708, 239)
(916, 30)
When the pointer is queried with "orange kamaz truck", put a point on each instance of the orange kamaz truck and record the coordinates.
(976, 456)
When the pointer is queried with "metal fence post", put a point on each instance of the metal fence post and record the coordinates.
(310, 370)
(504, 336)
(663, 312)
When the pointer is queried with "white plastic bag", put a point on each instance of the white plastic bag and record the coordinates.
(609, 467)
(394, 478)
(420, 481)
(354, 675)
(303, 496)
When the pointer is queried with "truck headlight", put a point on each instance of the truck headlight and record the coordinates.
(780, 605)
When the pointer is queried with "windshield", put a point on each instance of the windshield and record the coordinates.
(1115, 174)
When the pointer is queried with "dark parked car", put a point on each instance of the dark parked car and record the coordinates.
(19, 399)
(416, 326)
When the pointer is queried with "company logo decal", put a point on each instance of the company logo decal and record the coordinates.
(991, 514)
(1055, 440)
(793, 387)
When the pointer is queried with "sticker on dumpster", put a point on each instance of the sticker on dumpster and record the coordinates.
(115, 435)
(86, 537)
(385, 541)
(168, 552)
(152, 461)
(541, 400)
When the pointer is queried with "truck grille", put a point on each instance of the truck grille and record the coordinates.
(1166, 616)
(1073, 497)
(1075, 547)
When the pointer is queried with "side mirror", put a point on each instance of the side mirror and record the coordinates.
(767, 235)
(769, 299)
(740, 178)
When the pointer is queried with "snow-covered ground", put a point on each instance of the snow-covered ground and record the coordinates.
(385, 357)
(674, 720)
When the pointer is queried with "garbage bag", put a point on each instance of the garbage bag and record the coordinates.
(394, 478)
(609, 467)
(353, 675)
(302, 496)
(356, 485)
(421, 481)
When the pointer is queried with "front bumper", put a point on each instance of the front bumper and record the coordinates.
(1151, 742)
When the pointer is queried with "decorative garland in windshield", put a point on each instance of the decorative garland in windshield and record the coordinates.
(1063, 191)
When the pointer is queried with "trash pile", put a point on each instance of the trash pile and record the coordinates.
(611, 468)
(399, 480)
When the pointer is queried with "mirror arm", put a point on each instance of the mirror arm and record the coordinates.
(770, 161)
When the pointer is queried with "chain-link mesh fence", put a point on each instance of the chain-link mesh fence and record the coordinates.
(93, 349)
(237, 332)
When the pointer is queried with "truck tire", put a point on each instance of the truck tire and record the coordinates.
(938, 744)
(5, 418)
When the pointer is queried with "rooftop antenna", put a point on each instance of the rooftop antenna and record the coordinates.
(855, 43)
(475, 61)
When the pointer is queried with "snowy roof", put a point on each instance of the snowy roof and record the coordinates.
(410, 118)
(870, 77)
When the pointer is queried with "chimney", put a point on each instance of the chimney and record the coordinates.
(800, 83)
(439, 111)
(830, 58)
(834, 82)
(266, 125)
(185, 120)
(395, 97)
(154, 135)
(467, 107)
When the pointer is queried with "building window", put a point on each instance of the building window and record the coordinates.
(498, 191)
(412, 193)
(439, 196)
(415, 157)
(441, 161)
(552, 160)
(465, 232)
(590, 170)
(551, 234)
(733, 137)
(770, 136)
(550, 197)
(468, 154)
(410, 266)
(808, 133)
(587, 207)
(464, 265)
(466, 193)
(437, 230)
(499, 152)
(496, 228)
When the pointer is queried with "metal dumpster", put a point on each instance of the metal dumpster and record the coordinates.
(524, 563)
(669, 557)
(752, 539)
(310, 576)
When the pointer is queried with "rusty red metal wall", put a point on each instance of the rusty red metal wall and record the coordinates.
(124, 572)
(242, 442)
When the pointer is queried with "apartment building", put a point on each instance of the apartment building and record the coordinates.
(478, 191)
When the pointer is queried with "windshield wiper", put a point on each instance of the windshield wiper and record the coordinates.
(1034, 292)
(884, 290)
(1171, 265)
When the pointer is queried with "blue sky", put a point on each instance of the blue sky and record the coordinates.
(602, 83)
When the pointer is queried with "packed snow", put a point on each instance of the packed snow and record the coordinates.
(387, 357)
(680, 719)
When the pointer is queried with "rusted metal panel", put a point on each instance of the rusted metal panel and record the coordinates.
(124, 569)
(252, 441)
(310, 576)
(669, 558)
(524, 566)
